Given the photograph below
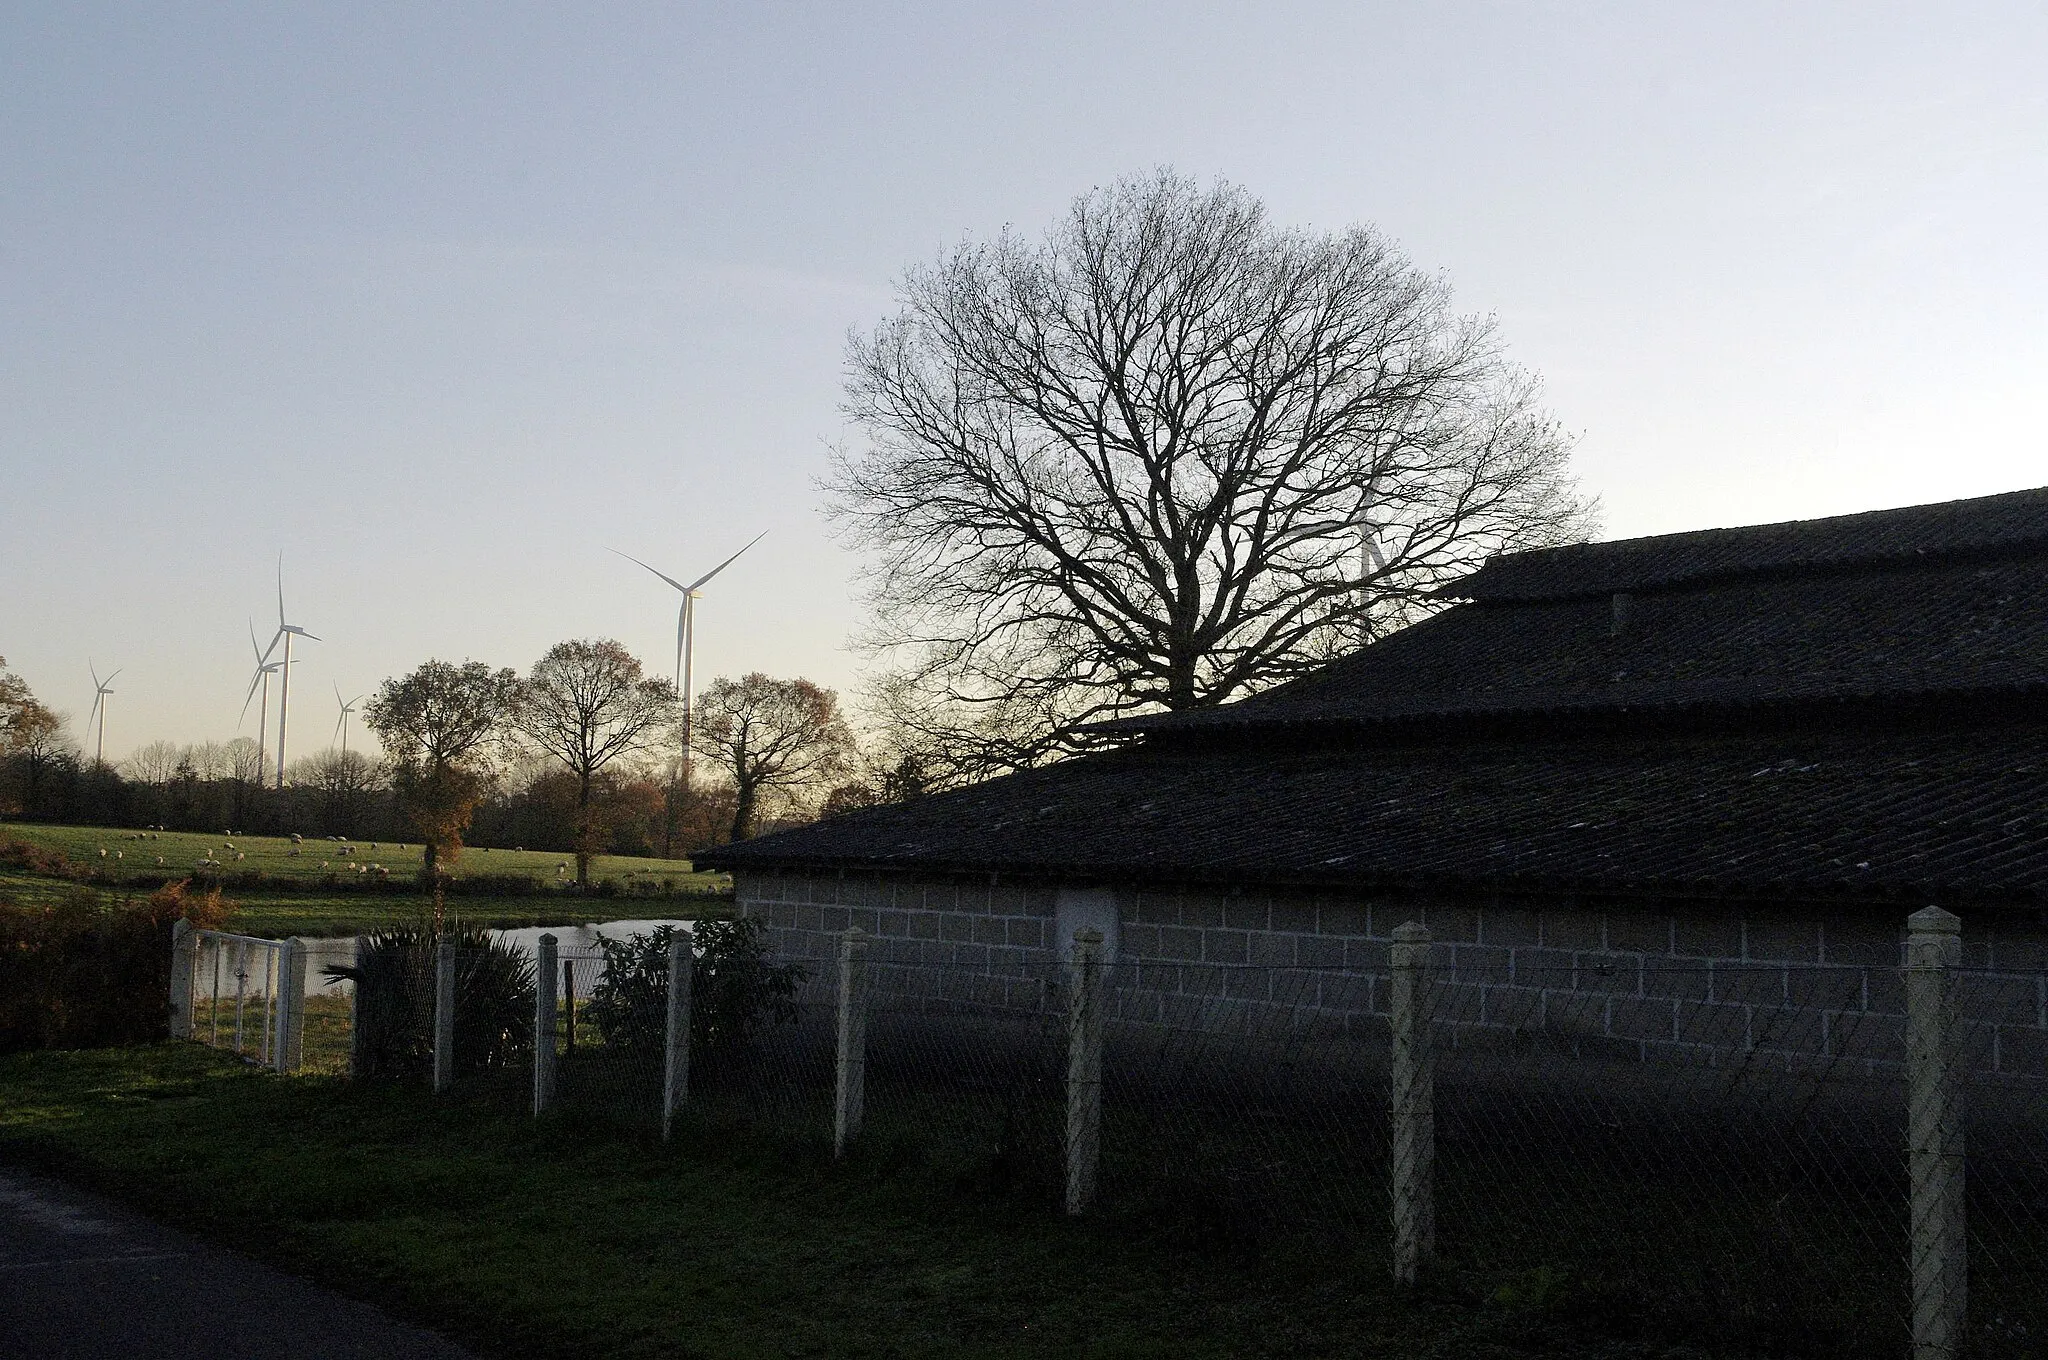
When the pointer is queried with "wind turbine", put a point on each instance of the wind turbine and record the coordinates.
(286, 631)
(100, 691)
(686, 634)
(348, 706)
(265, 668)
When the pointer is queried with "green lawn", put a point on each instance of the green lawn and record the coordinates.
(572, 1238)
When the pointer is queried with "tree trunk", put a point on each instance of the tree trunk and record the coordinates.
(430, 863)
(743, 810)
(583, 830)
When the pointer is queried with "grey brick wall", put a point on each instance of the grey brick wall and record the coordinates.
(1803, 990)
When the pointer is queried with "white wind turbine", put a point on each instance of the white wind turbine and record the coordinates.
(265, 668)
(348, 706)
(285, 631)
(100, 691)
(686, 635)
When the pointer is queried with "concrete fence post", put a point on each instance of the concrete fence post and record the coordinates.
(290, 1047)
(1934, 1134)
(675, 1064)
(184, 964)
(544, 1022)
(444, 1013)
(355, 1010)
(1414, 1105)
(852, 1065)
(1084, 1071)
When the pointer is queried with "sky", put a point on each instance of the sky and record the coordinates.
(442, 302)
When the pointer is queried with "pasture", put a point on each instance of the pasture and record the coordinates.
(322, 891)
(130, 851)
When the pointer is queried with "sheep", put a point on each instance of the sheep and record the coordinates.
(159, 861)
(103, 852)
(239, 857)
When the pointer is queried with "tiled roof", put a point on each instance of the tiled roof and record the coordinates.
(1754, 720)
(1943, 815)
(1983, 526)
(1897, 631)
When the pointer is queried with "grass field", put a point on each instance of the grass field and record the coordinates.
(305, 904)
(180, 851)
(567, 1238)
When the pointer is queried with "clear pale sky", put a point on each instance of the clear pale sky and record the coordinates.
(444, 300)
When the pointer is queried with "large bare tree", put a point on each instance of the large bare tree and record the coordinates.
(772, 738)
(1167, 456)
(438, 726)
(586, 704)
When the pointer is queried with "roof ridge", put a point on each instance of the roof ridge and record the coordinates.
(1982, 525)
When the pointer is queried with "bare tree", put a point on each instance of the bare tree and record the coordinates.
(1169, 456)
(210, 761)
(344, 781)
(773, 738)
(155, 764)
(245, 760)
(586, 704)
(437, 726)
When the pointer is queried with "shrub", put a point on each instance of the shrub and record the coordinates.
(734, 989)
(81, 974)
(394, 982)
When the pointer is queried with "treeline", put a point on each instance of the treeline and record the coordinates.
(583, 757)
(326, 795)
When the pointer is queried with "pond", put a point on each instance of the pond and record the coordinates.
(578, 946)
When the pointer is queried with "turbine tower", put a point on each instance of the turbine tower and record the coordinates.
(265, 668)
(686, 635)
(285, 631)
(100, 690)
(348, 706)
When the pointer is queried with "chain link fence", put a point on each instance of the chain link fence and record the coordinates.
(1812, 1160)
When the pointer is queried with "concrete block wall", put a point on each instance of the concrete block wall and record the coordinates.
(1801, 989)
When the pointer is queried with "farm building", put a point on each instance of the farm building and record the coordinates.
(1687, 773)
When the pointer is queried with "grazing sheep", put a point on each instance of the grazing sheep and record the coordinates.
(159, 860)
(103, 852)
(323, 864)
(239, 857)
(117, 854)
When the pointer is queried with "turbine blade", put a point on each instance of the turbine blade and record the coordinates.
(310, 637)
(638, 563)
(280, 592)
(95, 674)
(250, 697)
(727, 562)
(109, 680)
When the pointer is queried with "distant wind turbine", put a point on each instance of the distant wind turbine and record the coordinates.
(100, 690)
(285, 631)
(348, 706)
(686, 634)
(265, 668)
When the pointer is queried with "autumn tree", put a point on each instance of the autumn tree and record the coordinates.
(772, 738)
(586, 704)
(31, 738)
(438, 726)
(1168, 456)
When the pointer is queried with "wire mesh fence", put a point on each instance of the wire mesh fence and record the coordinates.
(1784, 1158)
